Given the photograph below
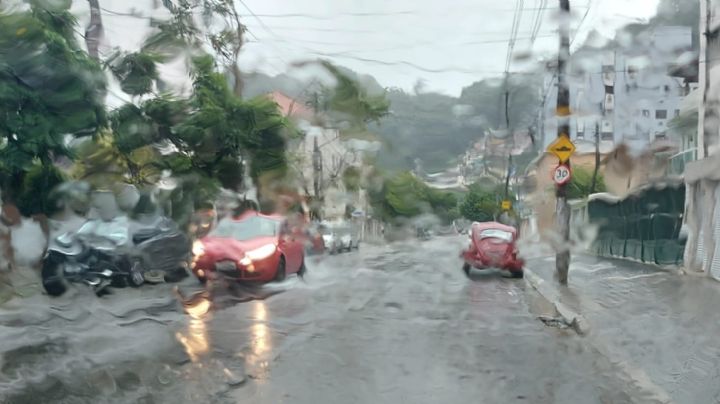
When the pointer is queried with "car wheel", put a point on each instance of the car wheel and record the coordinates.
(517, 274)
(280, 274)
(466, 268)
(303, 269)
(136, 276)
(53, 278)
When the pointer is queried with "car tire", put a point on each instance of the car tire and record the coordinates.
(53, 279)
(280, 274)
(466, 269)
(136, 277)
(303, 269)
(517, 274)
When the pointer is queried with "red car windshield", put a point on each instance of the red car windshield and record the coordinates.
(252, 227)
(496, 234)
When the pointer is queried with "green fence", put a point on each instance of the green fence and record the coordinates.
(644, 226)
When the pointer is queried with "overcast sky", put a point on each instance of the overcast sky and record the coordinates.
(448, 44)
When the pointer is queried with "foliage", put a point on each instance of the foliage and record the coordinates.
(351, 100)
(49, 89)
(405, 196)
(579, 186)
(481, 203)
(136, 71)
(103, 161)
(36, 196)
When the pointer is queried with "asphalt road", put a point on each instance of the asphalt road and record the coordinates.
(392, 324)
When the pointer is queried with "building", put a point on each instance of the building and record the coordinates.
(319, 158)
(624, 92)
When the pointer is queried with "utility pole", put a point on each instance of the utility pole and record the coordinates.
(562, 210)
(317, 177)
(512, 138)
(593, 184)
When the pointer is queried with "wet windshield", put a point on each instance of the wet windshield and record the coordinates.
(463, 201)
(246, 229)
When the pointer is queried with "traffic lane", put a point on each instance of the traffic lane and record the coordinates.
(403, 324)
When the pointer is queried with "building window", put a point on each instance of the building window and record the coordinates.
(667, 89)
(661, 114)
(646, 113)
(677, 113)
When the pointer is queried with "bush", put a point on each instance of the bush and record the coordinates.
(581, 182)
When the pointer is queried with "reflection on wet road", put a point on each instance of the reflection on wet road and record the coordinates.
(389, 324)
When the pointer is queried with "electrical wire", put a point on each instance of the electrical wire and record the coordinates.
(517, 16)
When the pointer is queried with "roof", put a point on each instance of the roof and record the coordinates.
(291, 107)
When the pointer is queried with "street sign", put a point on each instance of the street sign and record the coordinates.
(506, 205)
(562, 148)
(562, 174)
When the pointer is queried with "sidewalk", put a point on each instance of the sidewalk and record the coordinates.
(661, 327)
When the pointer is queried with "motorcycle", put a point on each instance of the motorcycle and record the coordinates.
(101, 254)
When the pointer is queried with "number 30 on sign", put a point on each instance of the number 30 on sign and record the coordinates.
(562, 174)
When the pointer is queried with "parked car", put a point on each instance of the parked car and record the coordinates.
(314, 240)
(341, 237)
(250, 248)
(105, 253)
(492, 245)
(331, 239)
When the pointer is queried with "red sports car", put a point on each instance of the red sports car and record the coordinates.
(492, 245)
(252, 247)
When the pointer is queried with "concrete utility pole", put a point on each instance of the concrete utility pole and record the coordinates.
(562, 210)
(593, 184)
(317, 175)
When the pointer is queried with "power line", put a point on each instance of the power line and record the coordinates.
(513, 33)
(381, 14)
(538, 23)
(577, 30)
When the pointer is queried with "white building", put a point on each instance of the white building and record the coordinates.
(625, 91)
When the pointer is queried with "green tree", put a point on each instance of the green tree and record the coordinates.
(50, 89)
(481, 203)
(580, 183)
(405, 196)
(350, 100)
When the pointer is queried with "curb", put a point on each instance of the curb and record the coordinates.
(571, 317)
(636, 378)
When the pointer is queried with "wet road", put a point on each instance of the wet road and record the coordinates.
(388, 324)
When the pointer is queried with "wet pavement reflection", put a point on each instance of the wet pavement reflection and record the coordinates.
(398, 323)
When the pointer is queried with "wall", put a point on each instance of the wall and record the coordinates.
(644, 225)
(702, 216)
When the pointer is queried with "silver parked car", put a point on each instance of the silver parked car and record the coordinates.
(340, 237)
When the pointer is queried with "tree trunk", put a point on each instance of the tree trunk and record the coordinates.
(94, 31)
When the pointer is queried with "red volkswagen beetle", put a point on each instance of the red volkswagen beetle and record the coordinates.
(492, 245)
(252, 248)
